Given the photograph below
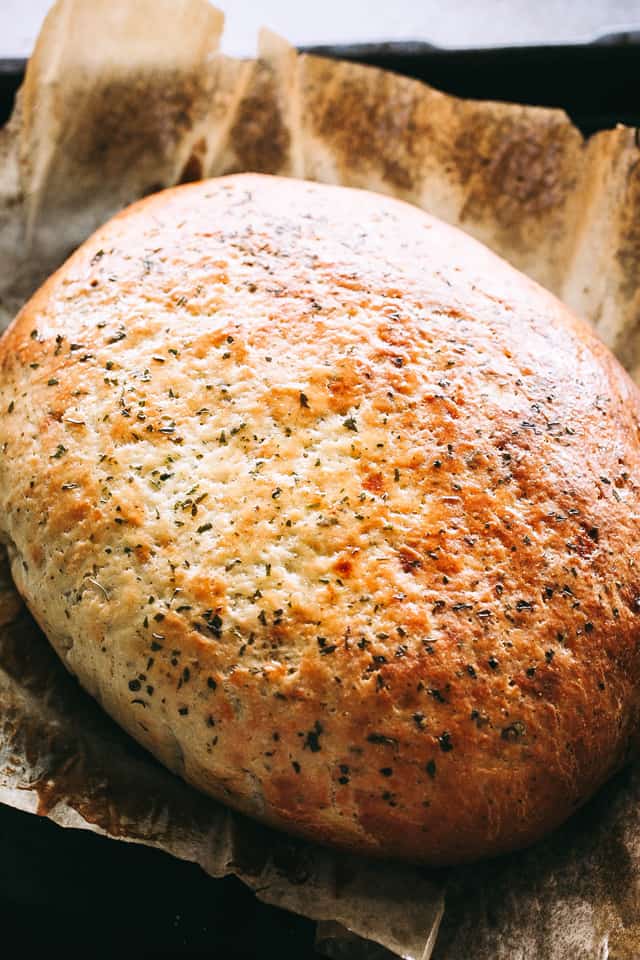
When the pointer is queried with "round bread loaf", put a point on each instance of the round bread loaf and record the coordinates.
(334, 511)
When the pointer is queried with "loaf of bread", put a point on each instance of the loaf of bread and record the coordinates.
(334, 511)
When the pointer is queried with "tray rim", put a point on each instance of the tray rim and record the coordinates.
(619, 38)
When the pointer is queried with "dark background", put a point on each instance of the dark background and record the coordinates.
(73, 889)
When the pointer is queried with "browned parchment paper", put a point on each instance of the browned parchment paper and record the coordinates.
(122, 99)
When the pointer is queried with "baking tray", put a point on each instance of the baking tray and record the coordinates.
(79, 890)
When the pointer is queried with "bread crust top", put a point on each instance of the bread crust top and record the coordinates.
(334, 511)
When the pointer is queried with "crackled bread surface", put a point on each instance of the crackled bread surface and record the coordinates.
(334, 511)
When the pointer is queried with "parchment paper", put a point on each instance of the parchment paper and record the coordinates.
(121, 99)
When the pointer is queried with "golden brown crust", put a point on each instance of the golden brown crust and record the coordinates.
(334, 511)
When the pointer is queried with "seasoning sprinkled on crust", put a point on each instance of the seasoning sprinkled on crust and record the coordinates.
(334, 511)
